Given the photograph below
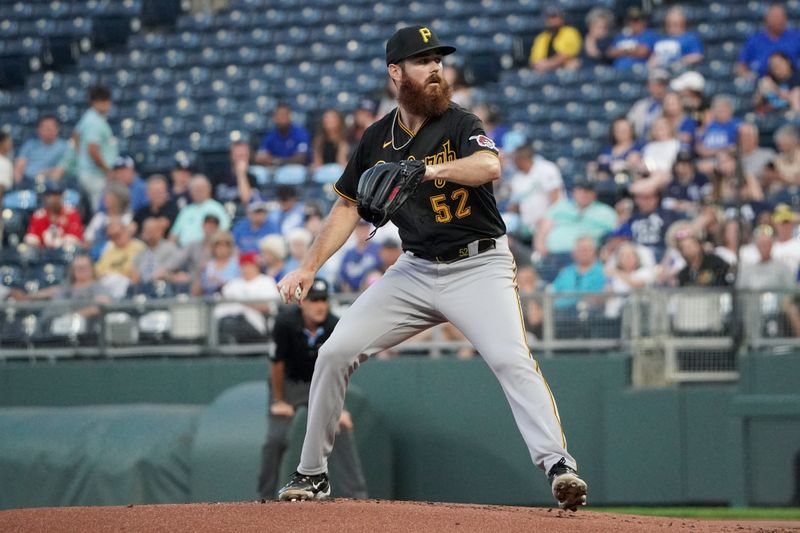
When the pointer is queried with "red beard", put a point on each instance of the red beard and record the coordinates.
(424, 99)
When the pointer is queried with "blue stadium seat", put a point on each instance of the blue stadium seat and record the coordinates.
(46, 275)
(72, 197)
(11, 276)
(154, 289)
(328, 173)
(548, 266)
(290, 175)
(22, 199)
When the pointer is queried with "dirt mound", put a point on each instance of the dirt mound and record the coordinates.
(337, 516)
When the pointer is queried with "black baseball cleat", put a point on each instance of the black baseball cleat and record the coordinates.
(305, 487)
(568, 488)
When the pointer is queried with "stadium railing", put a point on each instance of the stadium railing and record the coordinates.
(683, 334)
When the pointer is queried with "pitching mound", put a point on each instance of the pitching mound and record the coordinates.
(338, 516)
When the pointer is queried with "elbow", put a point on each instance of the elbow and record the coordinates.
(493, 169)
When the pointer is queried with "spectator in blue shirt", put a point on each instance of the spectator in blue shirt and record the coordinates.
(635, 44)
(688, 188)
(124, 171)
(287, 143)
(360, 259)
(290, 213)
(584, 275)
(249, 232)
(720, 135)
(677, 49)
(649, 223)
(40, 156)
(775, 37)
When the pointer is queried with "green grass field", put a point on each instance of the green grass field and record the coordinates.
(715, 513)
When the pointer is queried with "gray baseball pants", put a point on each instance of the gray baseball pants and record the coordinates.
(479, 296)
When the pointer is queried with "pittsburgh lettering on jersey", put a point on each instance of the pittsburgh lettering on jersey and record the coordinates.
(447, 154)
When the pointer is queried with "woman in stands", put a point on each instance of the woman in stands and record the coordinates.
(273, 255)
(618, 160)
(683, 124)
(117, 203)
(81, 293)
(598, 38)
(221, 268)
(738, 192)
(624, 276)
(779, 89)
(330, 143)
(728, 241)
(660, 153)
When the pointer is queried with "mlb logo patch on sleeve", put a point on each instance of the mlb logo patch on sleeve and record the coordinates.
(484, 141)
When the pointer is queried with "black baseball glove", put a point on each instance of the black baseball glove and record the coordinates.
(384, 188)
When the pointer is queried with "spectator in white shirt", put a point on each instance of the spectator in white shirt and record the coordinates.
(6, 168)
(262, 296)
(626, 275)
(659, 154)
(535, 186)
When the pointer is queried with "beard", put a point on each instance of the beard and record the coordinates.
(424, 99)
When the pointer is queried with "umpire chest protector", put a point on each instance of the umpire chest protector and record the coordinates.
(439, 215)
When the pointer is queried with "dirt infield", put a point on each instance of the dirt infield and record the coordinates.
(354, 516)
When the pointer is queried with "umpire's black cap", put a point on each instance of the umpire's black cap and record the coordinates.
(413, 40)
(318, 290)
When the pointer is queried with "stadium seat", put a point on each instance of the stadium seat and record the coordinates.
(11, 276)
(47, 274)
(262, 174)
(328, 173)
(549, 265)
(110, 30)
(290, 175)
(22, 199)
(154, 289)
(13, 70)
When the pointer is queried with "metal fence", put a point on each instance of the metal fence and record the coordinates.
(672, 335)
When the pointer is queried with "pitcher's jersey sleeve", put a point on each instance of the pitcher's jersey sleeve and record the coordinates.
(472, 137)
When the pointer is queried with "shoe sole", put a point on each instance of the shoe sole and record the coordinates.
(293, 495)
(570, 491)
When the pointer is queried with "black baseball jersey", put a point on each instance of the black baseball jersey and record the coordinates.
(441, 215)
(293, 346)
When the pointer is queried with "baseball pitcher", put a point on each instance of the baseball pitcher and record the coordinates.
(427, 166)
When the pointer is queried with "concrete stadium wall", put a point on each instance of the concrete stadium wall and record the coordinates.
(448, 420)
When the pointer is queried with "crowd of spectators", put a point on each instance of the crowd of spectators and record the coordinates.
(684, 194)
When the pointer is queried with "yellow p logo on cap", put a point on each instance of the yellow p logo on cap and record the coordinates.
(426, 34)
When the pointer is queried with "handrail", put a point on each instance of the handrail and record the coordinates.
(671, 320)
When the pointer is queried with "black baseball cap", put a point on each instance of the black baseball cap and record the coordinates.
(584, 183)
(635, 13)
(414, 40)
(318, 290)
(53, 187)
